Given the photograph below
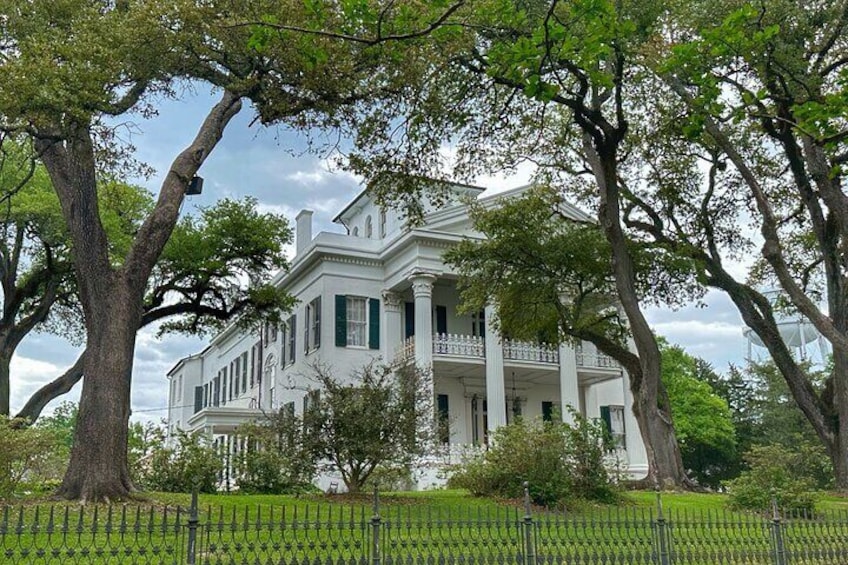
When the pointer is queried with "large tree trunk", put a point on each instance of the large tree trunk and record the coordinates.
(98, 466)
(5, 388)
(650, 401)
(112, 298)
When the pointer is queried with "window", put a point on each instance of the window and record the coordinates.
(312, 334)
(478, 324)
(272, 399)
(382, 224)
(357, 322)
(369, 230)
(237, 373)
(292, 333)
(223, 386)
(443, 418)
(355, 232)
(613, 418)
(233, 381)
(244, 372)
(216, 390)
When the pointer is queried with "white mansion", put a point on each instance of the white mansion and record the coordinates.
(380, 289)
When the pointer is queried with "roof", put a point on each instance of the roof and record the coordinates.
(364, 192)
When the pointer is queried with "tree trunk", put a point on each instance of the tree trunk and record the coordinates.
(650, 401)
(98, 466)
(54, 389)
(839, 452)
(5, 388)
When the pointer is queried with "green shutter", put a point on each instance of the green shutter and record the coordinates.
(605, 416)
(341, 320)
(373, 323)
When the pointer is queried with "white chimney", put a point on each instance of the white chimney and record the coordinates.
(303, 234)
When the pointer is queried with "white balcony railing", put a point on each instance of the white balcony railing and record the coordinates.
(526, 351)
(461, 345)
(475, 347)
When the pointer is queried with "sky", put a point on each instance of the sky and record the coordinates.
(271, 165)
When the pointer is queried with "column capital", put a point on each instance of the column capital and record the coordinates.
(392, 300)
(422, 281)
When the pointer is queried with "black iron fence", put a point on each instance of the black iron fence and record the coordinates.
(415, 534)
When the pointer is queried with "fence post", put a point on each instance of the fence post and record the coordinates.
(777, 535)
(376, 556)
(663, 555)
(191, 556)
(529, 553)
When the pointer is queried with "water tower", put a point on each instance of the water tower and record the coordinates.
(798, 333)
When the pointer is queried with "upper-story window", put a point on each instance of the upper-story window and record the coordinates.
(357, 321)
(355, 231)
(312, 330)
(382, 224)
(292, 342)
(369, 230)
(478, 324)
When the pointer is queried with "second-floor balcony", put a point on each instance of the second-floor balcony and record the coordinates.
(474, 347)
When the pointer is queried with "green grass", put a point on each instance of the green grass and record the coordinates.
(433, 525)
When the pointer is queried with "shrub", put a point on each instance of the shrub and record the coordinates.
(561, 463)
(30, 458)
(278, 459)
(774, 473)
(191, 462)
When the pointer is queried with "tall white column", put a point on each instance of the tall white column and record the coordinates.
(495, 395)
(569, 392)
(637, 456)
(392, 334)
(422, 290)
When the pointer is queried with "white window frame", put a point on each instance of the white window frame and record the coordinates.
(369, 228)
(313, 325)
(382, 224)
(618, 430)
(355, 326)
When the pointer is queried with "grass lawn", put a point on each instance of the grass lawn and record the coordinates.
(441, 526)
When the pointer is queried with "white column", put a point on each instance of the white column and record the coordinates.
(495, 396)
(392, 328)
(637, 456)
(569, 392)
(422, 290)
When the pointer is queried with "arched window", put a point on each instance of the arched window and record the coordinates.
(369, 231)
(355, 231)
(382, 224)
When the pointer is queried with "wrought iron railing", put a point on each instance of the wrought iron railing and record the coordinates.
(346, 534)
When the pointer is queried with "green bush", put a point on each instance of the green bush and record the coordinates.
(774, 473)
(31, 457)
(191, 462)
(561, 463)
(278, 459)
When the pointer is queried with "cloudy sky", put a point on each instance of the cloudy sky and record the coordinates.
(270, 164)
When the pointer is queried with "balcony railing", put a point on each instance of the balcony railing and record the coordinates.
(595, 360)
(526, 351)
(475, 347)
(461, 345)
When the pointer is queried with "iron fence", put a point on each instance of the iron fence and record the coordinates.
(415, 534)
